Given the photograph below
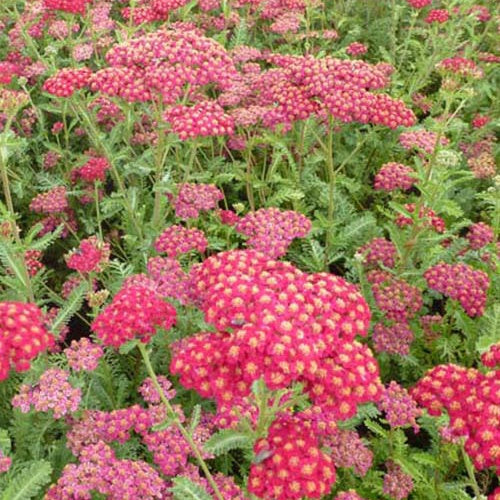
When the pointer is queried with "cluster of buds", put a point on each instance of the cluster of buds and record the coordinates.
(378, 251)
(393, 176)
(356, 49)
(193, 198)
(460, 66)
(422, 140)
(425, 214)
(53, 201)
(397, 484)
(437, 16)
(460, 282)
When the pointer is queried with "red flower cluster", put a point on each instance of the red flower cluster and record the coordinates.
(429, 217)
(479, 235)
(193, 198)
(53, 201)
(169, 278)
(419, 4)
(397, 298)
(280, 324)
(135, 311)
(176, 240)
(422, 139)
(206, 118)
(91, 256)
(356, 49)
(22, 336)
(378, 251)
(471, 399)
(72, 6)
(393, 176)
(460, 282)
(437, 16)
(67, 80)
(271, 231)
(480, 121)
(295, 466)
(491, 357)
(32, 261)
(93, 170)
(460, 66)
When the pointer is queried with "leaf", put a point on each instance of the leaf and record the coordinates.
(376, 428)
(489, 327)
(128, 346)
(29, 482)
(185, 489)
(4, 441)
(71, 306)
(227, 440)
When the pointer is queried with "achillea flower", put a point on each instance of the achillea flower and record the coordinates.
(480, 121)
(422, 139)
(437, 16)
(150, 394)
(397, 298)
(483, 166)
(419, 4)
(491, 357)
(53, 201)
(72, 6)
(135, 311)
(50, 160)
(378, 251)
(393, 176)
(32, 261)
(228, 217)
(93, 170)
(52, 392)
(66, 81)
(348, 450)
(83, 355)
(399, 407)
(23, 336)
(91, 256)
(271, 231)
(82, 52)
(431, 326)
(397, 484)
(348, 495)
(169, 278)
(288, 22)
(395, 338)
(293, 466)
(471, 400)
(426, 214)
(194, 198)
(460, 282)
(480, 235)
(5, 462)
(460, 66)
(176, 240)
(356, 49)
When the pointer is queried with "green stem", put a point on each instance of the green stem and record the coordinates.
(331, 184)
(173, 415)
(470, 473)
(97, 210)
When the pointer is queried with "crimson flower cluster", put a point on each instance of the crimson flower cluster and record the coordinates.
(491, 357)
(53, 201)
(22, 336)
(460, 66)
(72, 6)
(135, 312)
(66, 81)
(419, 4)
(280, 324)
(460, 282)
(91, 256)
(93, 170)
(437, 16)
(194, 198)
(393, 176)
(176, 240)
(378, 251)
(271, 230)
(169, 278)
(471, 399)
(296, 468)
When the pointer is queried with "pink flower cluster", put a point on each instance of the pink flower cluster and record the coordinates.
(149, 392)
(176, 240)
(480, 121)
(393, 176)
(100, 471)
(395, 338)
(460, 282)
(193, 198)
(399, 407)
(53, 201)
(460, 66)
(437, 16)
(135, 311)
(480, 235)
(169, 278)
(348, 450)
(378, 251)
(66, 81)
(296, 467)
(397, 484)
(397, 298)
(93, 170)
(5, 462)
(471, 399)
(271, 230)
(491, 357)
(421, 139)
(276, 322)
(419, 4)
(72, 6)
(426, 214)
(348, 495)
(356, 49)
(90, 257)
(32, 261)
(52, 392)
(83, 355)
(22, 336)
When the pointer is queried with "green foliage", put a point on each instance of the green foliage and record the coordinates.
(26, 481)
(185, 489)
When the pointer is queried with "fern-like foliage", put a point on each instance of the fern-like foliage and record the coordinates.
(227, 440)
(185, 489)
(26, 482)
